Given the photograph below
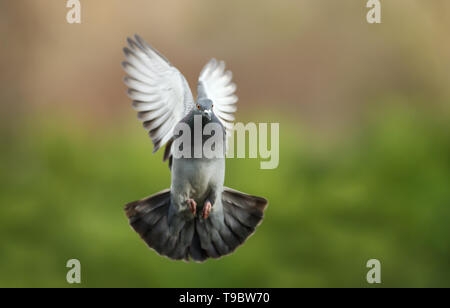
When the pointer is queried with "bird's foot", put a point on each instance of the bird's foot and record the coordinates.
(192, 206)
(206, 209)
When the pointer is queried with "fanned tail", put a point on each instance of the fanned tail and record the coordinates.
(198, 239)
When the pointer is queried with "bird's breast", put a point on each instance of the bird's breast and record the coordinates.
(194, 177)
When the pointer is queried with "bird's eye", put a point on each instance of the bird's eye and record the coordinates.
(198, 107)
(212, 106)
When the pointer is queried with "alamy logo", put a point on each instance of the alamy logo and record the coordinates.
(374, 14)
(74, 274)
(74, 14)
(209, 141)
(374, 274)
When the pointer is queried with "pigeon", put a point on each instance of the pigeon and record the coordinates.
(198, 217)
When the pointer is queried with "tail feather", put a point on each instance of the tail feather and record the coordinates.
(229, 237)
(240, 231)
(196, 251)
(199, 239)
(184, 240)
(148, 217)
(243, 213)
(219, 244)
(204, 231)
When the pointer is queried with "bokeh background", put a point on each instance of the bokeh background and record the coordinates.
(364, 152)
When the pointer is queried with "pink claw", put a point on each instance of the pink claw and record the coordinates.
(206, 209)
(192, 206)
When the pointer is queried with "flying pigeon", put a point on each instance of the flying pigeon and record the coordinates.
(198, 217)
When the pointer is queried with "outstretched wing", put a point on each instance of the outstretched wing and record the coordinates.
(215, 83)
(160, 93)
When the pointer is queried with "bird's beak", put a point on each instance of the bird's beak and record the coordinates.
(207, 114)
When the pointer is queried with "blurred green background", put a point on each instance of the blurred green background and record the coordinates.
(364, 152)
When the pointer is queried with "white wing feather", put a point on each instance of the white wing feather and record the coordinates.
(160, 93)
(217, 86)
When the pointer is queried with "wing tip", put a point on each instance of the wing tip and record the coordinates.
(125, 64)
(213, 60)
(131, 42)
(147, 47)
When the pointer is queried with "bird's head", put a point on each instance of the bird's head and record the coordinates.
(205, 106)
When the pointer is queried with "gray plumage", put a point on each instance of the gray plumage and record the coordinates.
(198, 218)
